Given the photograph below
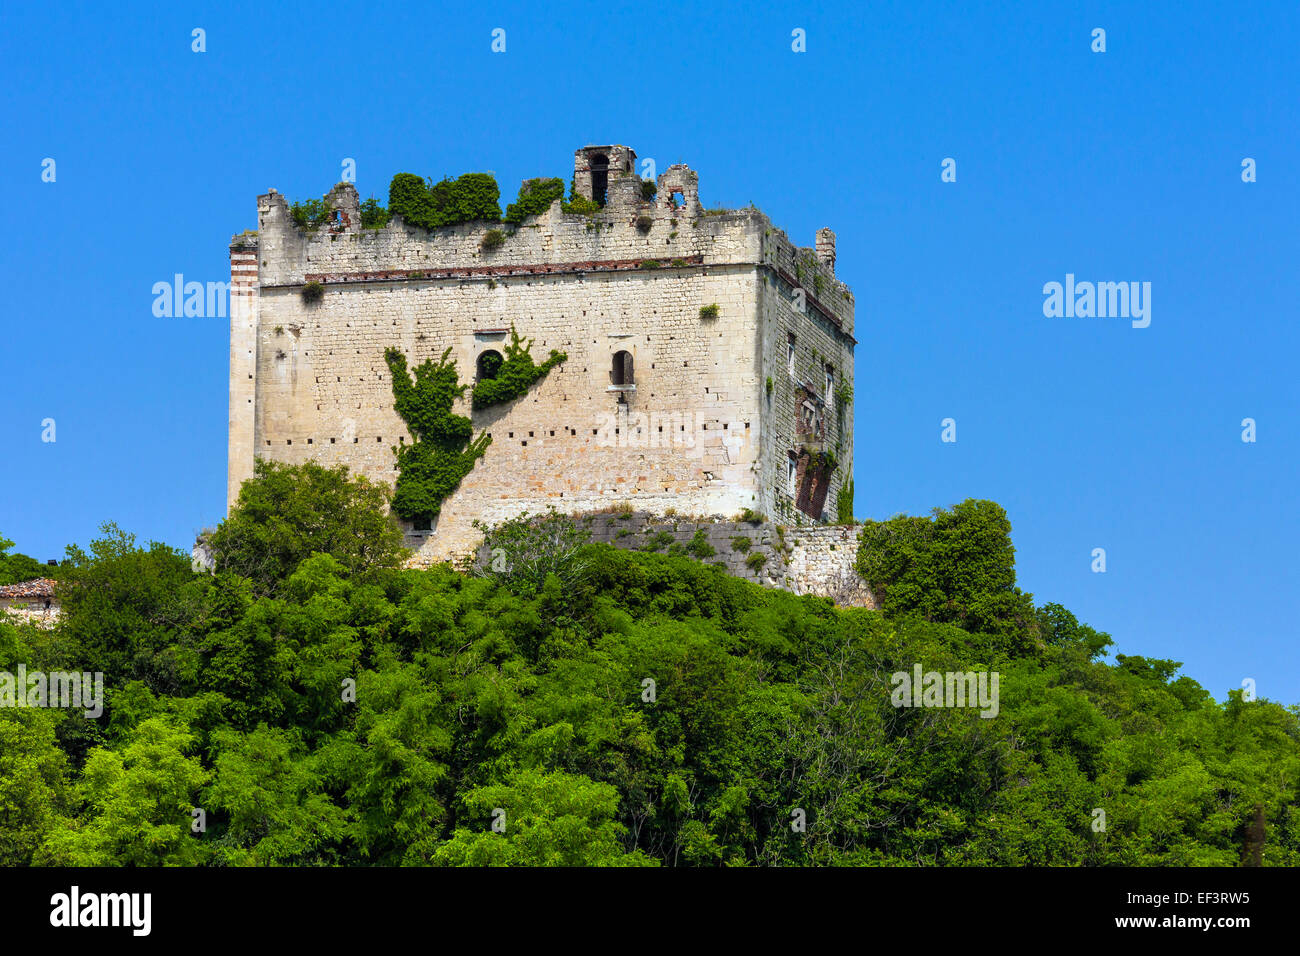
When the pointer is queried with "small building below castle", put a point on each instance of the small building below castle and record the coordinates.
(34, 601)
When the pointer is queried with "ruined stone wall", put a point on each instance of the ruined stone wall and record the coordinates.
(806, 560)
(802, 304)
(28, 613)
(698, 433)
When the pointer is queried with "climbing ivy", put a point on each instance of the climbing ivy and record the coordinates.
(515, 375)
(844, 503)
(444, 450)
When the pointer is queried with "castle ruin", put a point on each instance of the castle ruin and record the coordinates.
(709, 359)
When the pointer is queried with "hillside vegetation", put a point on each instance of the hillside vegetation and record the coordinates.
(586, 705)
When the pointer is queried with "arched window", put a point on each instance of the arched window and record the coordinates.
(599, 177)
(489, 363)
(621, 373)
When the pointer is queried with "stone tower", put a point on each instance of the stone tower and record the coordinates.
(709, 370)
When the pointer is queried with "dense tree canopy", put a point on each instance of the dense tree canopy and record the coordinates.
(608, 707)
(16, 568)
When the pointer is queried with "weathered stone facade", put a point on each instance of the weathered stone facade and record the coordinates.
(725, 410)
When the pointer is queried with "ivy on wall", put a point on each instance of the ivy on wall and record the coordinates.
(515, 375)
(444, 450)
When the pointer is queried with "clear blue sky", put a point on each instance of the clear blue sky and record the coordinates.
(1117, 166)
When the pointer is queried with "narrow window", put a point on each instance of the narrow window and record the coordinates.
(621, 372)
(791, 471)
(789, 353)
(830, 382)
(599, 177)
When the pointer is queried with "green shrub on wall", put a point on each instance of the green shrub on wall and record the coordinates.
(471, 197)
(515, 375)
(579, 204)
(373, 215)
(310, 214)
(535, 197)
(444, 450)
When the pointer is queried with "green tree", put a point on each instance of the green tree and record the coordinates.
(549, 819)
(34, 791)
(956, 567)
(285, 513)
(131, 611)
(138, 803)
(16, 568)
(270, 789)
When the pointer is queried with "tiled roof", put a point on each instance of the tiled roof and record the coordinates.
(39, 588)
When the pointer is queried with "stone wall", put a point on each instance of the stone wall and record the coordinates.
(700, 431)
(31, 602)
(806, 559)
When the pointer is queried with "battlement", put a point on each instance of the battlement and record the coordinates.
(709, 356)
(625, 233)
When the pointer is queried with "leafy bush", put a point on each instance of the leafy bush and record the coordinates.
(843, 396)
(580, 205)
(515, 375)
(709, 311)
(955, 567)
(523, 552)
(648, 190)
(699, 546)
(644, 223)
(373, 215)
(313, 292)
(756, 561)
(310, 214)
(493, 239)
(535, 197)
(468, 198)
(741, 543)
(657, 541)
